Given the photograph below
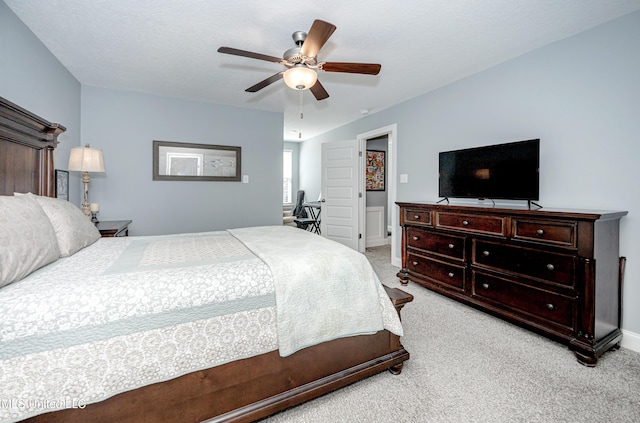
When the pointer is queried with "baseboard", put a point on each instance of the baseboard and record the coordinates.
(376, 242)
(630, 340)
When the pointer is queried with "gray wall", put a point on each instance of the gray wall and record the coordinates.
(309, 158)
(32, 78)
(124, 124)
(580, 96)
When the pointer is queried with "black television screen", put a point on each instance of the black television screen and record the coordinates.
(503, 171)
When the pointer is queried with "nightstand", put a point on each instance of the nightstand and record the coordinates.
(113, 228)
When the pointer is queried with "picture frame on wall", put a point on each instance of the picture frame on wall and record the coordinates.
(62, 184)
(375, 173)
(179, 161)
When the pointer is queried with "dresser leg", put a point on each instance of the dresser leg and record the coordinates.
(585, 360)
(588, 353)
(397, 369)
(403, 275)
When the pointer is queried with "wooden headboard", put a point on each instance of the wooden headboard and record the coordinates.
(26, 151)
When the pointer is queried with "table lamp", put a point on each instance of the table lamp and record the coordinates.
(86, 159)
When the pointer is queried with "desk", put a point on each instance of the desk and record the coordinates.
(311, 223)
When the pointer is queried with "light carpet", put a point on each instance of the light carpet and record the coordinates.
(468, 366)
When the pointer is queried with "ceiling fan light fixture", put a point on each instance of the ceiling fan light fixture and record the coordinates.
(300, 77)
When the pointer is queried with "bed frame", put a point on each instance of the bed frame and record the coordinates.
(239, 391)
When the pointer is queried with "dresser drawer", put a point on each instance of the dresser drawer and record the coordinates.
(544, 304)
(437, 271)
(417, 216)
(442, 244)
(492, 225)
(547, 266)
(548, 232)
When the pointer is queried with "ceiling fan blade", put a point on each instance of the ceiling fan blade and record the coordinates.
(318, 91)
(260, 85)
(364, 68)
(244, 53)
(318, 35)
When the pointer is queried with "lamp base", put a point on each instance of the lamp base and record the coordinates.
(85, 204)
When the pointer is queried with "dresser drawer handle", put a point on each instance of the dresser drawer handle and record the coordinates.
(451, 274)
(551, 307)
(485, 285)
(465, 223)
(416, 217)
(415, 238)
(485, 253)
(451, 246)
(540, 231)
(550, 267)
(415, 263)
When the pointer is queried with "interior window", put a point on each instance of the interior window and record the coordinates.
(287, 172)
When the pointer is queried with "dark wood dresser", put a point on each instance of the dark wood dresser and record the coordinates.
(556, 272)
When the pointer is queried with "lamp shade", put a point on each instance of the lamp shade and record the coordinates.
(300, 77)
(86, 159)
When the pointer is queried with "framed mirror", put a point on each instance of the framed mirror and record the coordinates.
(181, 161)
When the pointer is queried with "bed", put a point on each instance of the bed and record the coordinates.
(187, 327)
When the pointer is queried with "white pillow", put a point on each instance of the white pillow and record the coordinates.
(27, 239)
(73, 229)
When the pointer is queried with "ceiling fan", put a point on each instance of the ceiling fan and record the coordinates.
(302, 63)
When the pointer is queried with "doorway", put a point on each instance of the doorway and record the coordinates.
(391, 218)
(377, 214)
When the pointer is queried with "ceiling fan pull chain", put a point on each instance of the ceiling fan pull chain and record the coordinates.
(301, 116)
(301, 106)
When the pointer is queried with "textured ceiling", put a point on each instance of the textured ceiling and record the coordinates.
(168, 47)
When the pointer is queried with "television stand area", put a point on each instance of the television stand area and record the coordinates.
(529, 202)
(556, 272)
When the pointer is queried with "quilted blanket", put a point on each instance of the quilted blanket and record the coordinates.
(127, 312)
(324, 290)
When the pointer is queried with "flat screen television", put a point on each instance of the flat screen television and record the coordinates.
(503, 171)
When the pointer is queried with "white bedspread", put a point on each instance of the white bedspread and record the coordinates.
(324, 290)
(127, 312)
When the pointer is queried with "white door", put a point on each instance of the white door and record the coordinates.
(341, 193)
